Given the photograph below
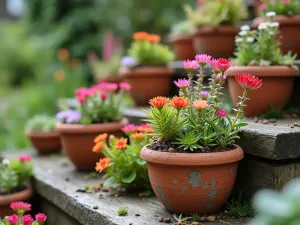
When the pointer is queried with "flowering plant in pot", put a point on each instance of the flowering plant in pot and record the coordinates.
(181, 40)
(100, 111)
(288, 15)
(40, 129)
(20, 218)
(149, 60)
(258, 53)
(192, 160)
(122, 163)
(214, 22)
(14, 182)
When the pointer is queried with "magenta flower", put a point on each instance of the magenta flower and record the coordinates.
(82, 91)
(125, 86)
(286, 2)
(203, 59)
(203, 95)
(248, 81)
(262, 7)
(129, 128)
(80, 98)
(190, 65)
(182, 83)
(224, 64)
(27, 220)
(103, 96)
(20, 206)
(214, 65)
(106, 86)
(13, 219)
(221, 113)
(40, 218)
(25, 158)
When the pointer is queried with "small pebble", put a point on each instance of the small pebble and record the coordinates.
(226, 212)
(292, 126)
(203, 219)
(256, 120)
(161, 219)
(171, 150)
(67, 179)
(95, 207)
(131, 224)
(168, 220)
(273, 120)
(195, 223)
(105, 189)
(211, 218)
(294, 115)
(137, 214)
(274, 124)
(265, 121)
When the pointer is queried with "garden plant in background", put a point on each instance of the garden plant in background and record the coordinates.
(122, 162)
(40, 129)
(258, 52)
(100, 111)
(150, 58)
(14, 182)
(194, 140)
(214, 22)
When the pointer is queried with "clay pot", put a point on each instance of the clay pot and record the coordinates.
(290, 32)
(192, 182)
(110, 78)
(78, 141)
(275, 92)
(217, 42)
(5, 201)
(148, 82)
(44, 142)
(183, 46)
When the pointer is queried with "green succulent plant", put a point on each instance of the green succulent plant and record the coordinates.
(41, 123)
(181, 28)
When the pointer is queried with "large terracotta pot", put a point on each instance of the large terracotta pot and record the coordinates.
(290, 32)
(5, 201)
(183, 46)
(275, 92)
(148, 82)
(217, 42)
(78, 141)
(44, 142)
(192, 182)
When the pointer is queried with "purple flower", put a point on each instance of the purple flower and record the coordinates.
(203, 94)
(221, 113)
(128, 61)
(190, 65)
(68, 116)
(218, 77)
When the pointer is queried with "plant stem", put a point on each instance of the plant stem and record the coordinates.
(190, 88)
(200, 81)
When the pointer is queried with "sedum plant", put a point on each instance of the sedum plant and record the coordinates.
(181, 28)
(122, 161)
(261, 47)
(195, 121)
(280, 7)
(216, 13)
(42, 123)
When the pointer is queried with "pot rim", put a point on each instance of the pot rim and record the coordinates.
(180, 38)
(265, 71)
(42, 134)
(192, 159)
(221, 30)
(18, 196)
(282, 19)
(148, 71)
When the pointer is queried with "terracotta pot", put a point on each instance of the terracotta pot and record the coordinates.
(217, 42)
(148, 82)
(115, 78)
(44, 142)
(275, 92)
(78, 141)
(5, 201)
(183, 46)
(290, 32)
(192, 182)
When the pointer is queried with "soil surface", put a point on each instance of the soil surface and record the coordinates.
(16, 190)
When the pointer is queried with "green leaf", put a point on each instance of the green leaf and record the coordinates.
(129, 178)
(109, 181)
(141, 162)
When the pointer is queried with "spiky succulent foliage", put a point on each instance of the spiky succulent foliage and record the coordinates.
(188, 141)
(8, 179)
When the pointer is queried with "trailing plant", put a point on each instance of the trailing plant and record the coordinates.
(215, 13)
(122, 161)
(181, 28)
(195, 119)
(41, 123)
(261, 47)
(280, 7)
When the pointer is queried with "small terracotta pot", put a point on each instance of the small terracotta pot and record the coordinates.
(44, 142)
(192, 182)
(217, 42)
(5, 201)
(183, 46)
(290, 32)
(148, 82)
(115, 78)
(275, 92)
(78, 141)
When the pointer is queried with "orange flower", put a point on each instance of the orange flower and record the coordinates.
(200, 104)
(153, 38)
(100, 137)
(149, 130)
(138, 135)
(98, 146)
(159, 102)
(63, 54)
(179, 102)
(73, 63)
(140, 36)
(59, 75)
(121, 143)
(102, 164)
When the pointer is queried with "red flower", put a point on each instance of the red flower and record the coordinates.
(224, 64)
(40, 218)
(25, 158)
(248, 81)
(179, 102)
(121, 143)
(20, 206)
(159, 102)
(27, 220)
(13, 219)
(103, 96)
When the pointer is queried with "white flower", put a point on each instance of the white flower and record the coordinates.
(245, 28)
(5, 162)
(242, 33)
(263, 25)
(274, 24)
(238, 39)
(250, 39)
(270, 14)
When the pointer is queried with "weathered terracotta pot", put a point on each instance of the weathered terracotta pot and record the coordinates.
(290, 32)
(5, 201)
(78, 141)
(275, 92)
(183, 46)
(217, 42)
(192, 182)
(45, 142)
(148, 82)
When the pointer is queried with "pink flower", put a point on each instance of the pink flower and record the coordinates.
(224, 64)
(125, 86)
(13, 219)
(248, 81)
(190, 65)
(20, 206)
(182, 83)
(27, 220)
(221, 113)
(262, 7)
(203, 59)
(103, 96)
(82, 91)
(40, 218)
(80, 98)
(220, 77)
(106, 86)
(286, 2)
(214, 65)
(129, 128)
(25, 158)
(203, 94)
